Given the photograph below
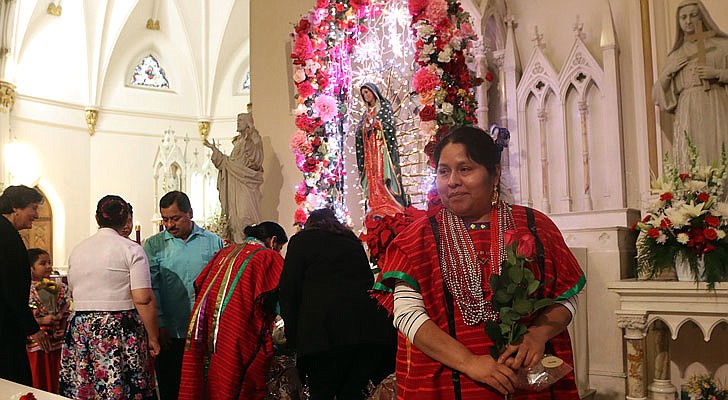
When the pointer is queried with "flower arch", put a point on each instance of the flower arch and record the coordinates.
(323, 42)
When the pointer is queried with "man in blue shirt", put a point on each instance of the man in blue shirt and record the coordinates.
(176, 256)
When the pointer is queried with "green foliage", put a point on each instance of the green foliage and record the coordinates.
(513, 299)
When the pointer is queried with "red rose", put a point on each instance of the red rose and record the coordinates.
(703, 197)
(527, 246)
(665, 223)
(653, 233)
(666, 196)
(428, 113)
(712, 220)
(339, 7)
(316, 142)
(300, 198)
(684, 176)
(634, 226)
(322, 3)
(489, 76)
(710, 233)
(310, 165)
(509, 236)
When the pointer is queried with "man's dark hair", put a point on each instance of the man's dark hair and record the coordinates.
(175, 196)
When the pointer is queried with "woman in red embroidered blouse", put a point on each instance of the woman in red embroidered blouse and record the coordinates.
(439, 269)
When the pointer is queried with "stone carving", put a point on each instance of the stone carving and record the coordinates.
(693, 85)
(240, 177)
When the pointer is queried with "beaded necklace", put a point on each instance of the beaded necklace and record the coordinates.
(462, 270)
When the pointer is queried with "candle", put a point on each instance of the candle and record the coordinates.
(138, 230)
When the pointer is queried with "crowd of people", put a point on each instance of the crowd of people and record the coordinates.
(203, 313)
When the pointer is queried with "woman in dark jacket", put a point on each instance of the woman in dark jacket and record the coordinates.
(341, 338)
(19, 208)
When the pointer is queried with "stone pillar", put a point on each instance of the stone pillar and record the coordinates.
(634, 326)
(661, 387)
(7, 100)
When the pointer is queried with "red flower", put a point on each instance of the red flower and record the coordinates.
(646, 218)
(428, 113)
(665, 223)
(712, 220)
(653, 233)
(489, 76)
(339, 7)
(684, 176)
(316, 142)
(357, 4)
(300, 198)
(302, 27)
(306, 124)
(322, 3)
(310, 165)
(703, 197)
(666, 196)
(300, 216)
(305, 89)
(527, 246)
(710, 233)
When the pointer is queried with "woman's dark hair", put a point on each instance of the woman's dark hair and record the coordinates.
(325, 220)
(266, 230)
(112, 212)
(34, 254)
(183, 202)
(479, 146)
(18, 197)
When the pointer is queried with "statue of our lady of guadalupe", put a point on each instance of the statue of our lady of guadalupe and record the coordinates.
(377, 155)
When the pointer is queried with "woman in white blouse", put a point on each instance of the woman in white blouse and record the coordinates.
(114, 331)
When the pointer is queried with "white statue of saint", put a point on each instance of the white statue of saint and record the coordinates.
(240, 177)
(693, 85)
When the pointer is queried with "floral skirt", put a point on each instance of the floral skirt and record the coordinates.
(105, 356)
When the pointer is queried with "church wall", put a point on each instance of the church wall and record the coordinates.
(271, 91)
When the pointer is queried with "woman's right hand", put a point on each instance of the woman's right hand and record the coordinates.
(486, 370)
(154, 347)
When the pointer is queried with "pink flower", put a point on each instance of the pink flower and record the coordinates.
(302, 48)
(416, 6)
(326, 107)
(322, 3)
(436, 11)
(424, 80)
(467, 30)
(305, 89)
(299, 143)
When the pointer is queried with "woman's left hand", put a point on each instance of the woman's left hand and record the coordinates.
(527, 353)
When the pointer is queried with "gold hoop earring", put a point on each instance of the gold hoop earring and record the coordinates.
(494, 199)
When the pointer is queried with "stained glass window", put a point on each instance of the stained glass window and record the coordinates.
(148, 73)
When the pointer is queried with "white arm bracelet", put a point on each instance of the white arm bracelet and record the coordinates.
(571, 304)
(409, 310)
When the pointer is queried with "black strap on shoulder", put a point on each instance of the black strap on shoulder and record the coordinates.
(541, 260)
(450, 310)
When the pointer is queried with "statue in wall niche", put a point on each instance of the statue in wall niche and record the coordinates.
(693, 85)
(240, 177)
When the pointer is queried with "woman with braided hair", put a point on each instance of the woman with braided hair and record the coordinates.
(113, 335)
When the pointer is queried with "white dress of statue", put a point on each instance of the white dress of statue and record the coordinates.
(240, 177)
(693, 85)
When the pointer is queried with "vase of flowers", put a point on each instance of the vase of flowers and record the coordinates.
(688, 222)
(703, 387)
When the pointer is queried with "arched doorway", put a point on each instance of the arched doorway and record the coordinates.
(41, 235)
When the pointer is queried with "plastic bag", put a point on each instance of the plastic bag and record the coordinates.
(543, 374)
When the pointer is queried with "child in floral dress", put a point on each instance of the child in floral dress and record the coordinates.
(51, 307)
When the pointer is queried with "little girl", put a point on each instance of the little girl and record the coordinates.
(51, 307)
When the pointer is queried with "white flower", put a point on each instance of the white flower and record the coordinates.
(445, 55)
(659, 186)
(656, 205)
(695, 186)
(311, 67)
(456, 44)
(720, 209)
(677, 216)
(661, 239)
(693, 210)
(721, 233)
(299, 75)
(426, 51)
(447, 108)
(683, 238)
(424, 30)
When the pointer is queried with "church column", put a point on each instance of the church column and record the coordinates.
(583, 110)
(7, 100)
(481, 69)
(634, 326)
(546, 202)
(661, 387)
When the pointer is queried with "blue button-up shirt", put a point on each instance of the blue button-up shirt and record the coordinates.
(174, 265)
